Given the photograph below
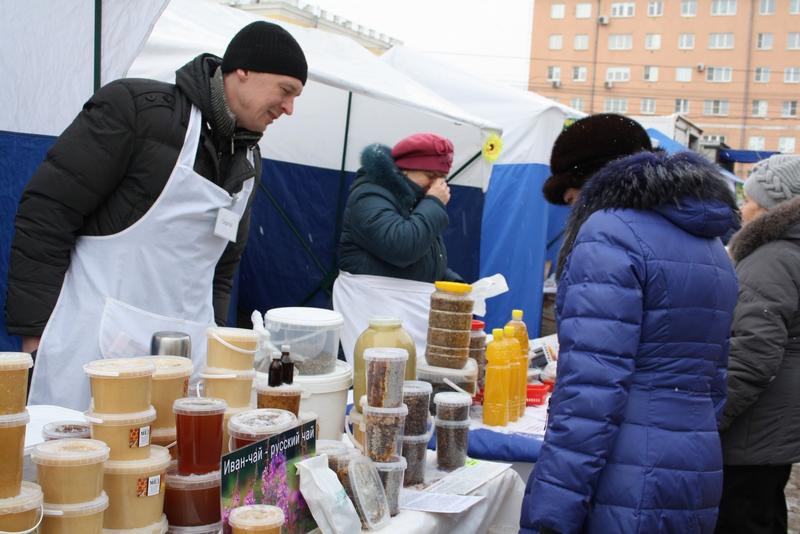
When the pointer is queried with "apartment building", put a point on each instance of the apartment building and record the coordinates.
(731, 66)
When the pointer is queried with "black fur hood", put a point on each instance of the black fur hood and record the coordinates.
(684, 188)
(378, 167)
(781, 222)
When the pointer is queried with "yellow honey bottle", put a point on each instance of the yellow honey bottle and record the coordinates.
(496, 391)
(512, 348)
(521, 334)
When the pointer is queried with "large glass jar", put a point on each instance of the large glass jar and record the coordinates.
(382, 332)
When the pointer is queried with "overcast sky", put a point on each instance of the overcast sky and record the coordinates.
(488, 38)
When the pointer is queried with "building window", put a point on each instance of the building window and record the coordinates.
(648, 106)
(683, 74)
(578, 74)
(766, 7)
(616, 105)
(686, 41)
(720, 41)
(622, 9)
(650, 73)
(557, 11)
(793, 41)
(755, 142)
(620, 41)
(577, 103)
(786, 145)
(652, 41)
(762, 74)
(764, 41)
(789, 108)
(791, 75)
(719, 74)
(581, 42)
(655, 8)
(618, 74)
(715, 107)
(583, 11)
(681, 105)
(714, 139)
(723, 7)
(553, 74)
(555, 42)
(794, 7)
(759, 108)
(689, 8)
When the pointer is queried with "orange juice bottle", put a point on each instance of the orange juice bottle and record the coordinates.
(496, 391)
(512, 351)
(521, 334)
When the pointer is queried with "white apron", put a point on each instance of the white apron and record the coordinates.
(155, 275)
(359, 296)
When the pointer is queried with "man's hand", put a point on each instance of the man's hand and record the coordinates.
(30, 343)
(440, 190)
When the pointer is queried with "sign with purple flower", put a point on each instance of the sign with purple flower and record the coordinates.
(265, 473)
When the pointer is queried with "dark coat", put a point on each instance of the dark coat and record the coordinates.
(390, 227)
(761, 423)
(645, 302)
(106, 171)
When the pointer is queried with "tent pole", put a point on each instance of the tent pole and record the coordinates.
(98, 39)
(464, 166)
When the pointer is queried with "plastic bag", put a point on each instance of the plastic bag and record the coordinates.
(329, 504)
(265, 346)
(486, 288)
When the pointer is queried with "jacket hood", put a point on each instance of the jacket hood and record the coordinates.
(781, 222)
(684, 188)
(378, 167)
(194, 80)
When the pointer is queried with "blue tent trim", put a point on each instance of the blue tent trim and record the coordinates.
(745, 156)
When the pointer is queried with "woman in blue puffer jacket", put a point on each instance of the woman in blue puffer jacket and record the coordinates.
(645, 301)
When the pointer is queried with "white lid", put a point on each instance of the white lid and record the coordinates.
(159, 527)
(367, 488)
(202, 529)
(29, 498)
(122, 419)
(78, 509)
(341, 378)
(375, 410)
(470, 371)
(452, 424)
(413, 388)
(453, 399)
(397, 463)
(422, 438)
(120, 368)
(14, 419)
(70, 452)
(385, 320)
(256, 515)
(307, 416)
(193, 482)
(66, 429)
(390, 354)
(157, 462)
(169, 367)
(211, 373)
(15, 361)
(199, 406)
(255, 424)
(233, 334)
(332, 448)
(311, 318)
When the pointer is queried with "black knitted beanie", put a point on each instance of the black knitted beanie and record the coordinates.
(265, 47)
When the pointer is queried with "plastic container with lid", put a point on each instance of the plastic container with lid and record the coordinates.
(167, 438)
(417, 397)
(12, 445)
(128, 435)
(452, 440)
(226, 439)
(327, 396)
(231, 348)
(159, 527)
(452, 297)
(70, 471)
(66, 430)
(193, 500)
(339, 456)
(313, 334)
(84, 517)
(233, 386)
(369, 497)
(120, 385)
(214, 528)
(135, 490)
(198, 421)
(386, 369)
(22, 512)
(355, 428)
(452, 406)
(256, 519)
(256, 425)
(465, 378)
(392, 474)
(415, 449)
(384, 431)
(14, 381)
(449, 320)
(283, 397)
(170, 382)
(477, 342)
(383, 331)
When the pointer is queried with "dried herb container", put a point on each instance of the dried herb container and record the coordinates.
(450, 357)
(283, 397)
(452, 440)
(415, 449)
(454, 339)
(452, 297)
(367, 490)
(465, 378)
(392, 474)
(384, 431)
(449, 320)
(386, 369)
(452, 406)
(417, 397)
(477, 342)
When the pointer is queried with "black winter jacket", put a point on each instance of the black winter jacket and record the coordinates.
(761, 422)
(106, 170)
(390, 227)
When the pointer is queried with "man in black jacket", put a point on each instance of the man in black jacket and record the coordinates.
(110, 166)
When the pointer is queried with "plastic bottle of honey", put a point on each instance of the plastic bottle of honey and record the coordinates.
(496, 392)
(521, 334)
(511, 346)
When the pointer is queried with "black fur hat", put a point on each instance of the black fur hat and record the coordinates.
(586, 146)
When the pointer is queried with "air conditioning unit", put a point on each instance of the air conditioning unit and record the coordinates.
(609, 84)
(556, 83)
(603, 20)
(701, 67)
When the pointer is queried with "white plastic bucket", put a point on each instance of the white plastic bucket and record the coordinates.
(326, 395)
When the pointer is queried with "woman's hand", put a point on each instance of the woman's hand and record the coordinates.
(440, 190)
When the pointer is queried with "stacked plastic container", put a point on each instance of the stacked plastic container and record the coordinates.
(477, 350)
(122, 416)
(449, 325)
(230, 372)
(20, 502)
(252, 426)
(417, 397)
(452, 429)
(170, 382)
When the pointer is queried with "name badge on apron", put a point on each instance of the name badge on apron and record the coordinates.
(227, 225)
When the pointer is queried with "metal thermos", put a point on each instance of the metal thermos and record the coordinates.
(171, 344)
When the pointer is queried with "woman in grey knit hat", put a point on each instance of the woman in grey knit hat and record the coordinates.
(760, 428)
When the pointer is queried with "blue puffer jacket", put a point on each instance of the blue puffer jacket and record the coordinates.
(645, 302)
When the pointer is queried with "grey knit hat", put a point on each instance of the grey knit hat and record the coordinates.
(774, 180)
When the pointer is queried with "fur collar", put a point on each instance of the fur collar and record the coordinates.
(684, 188)
(771, 226)
(378, 167)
